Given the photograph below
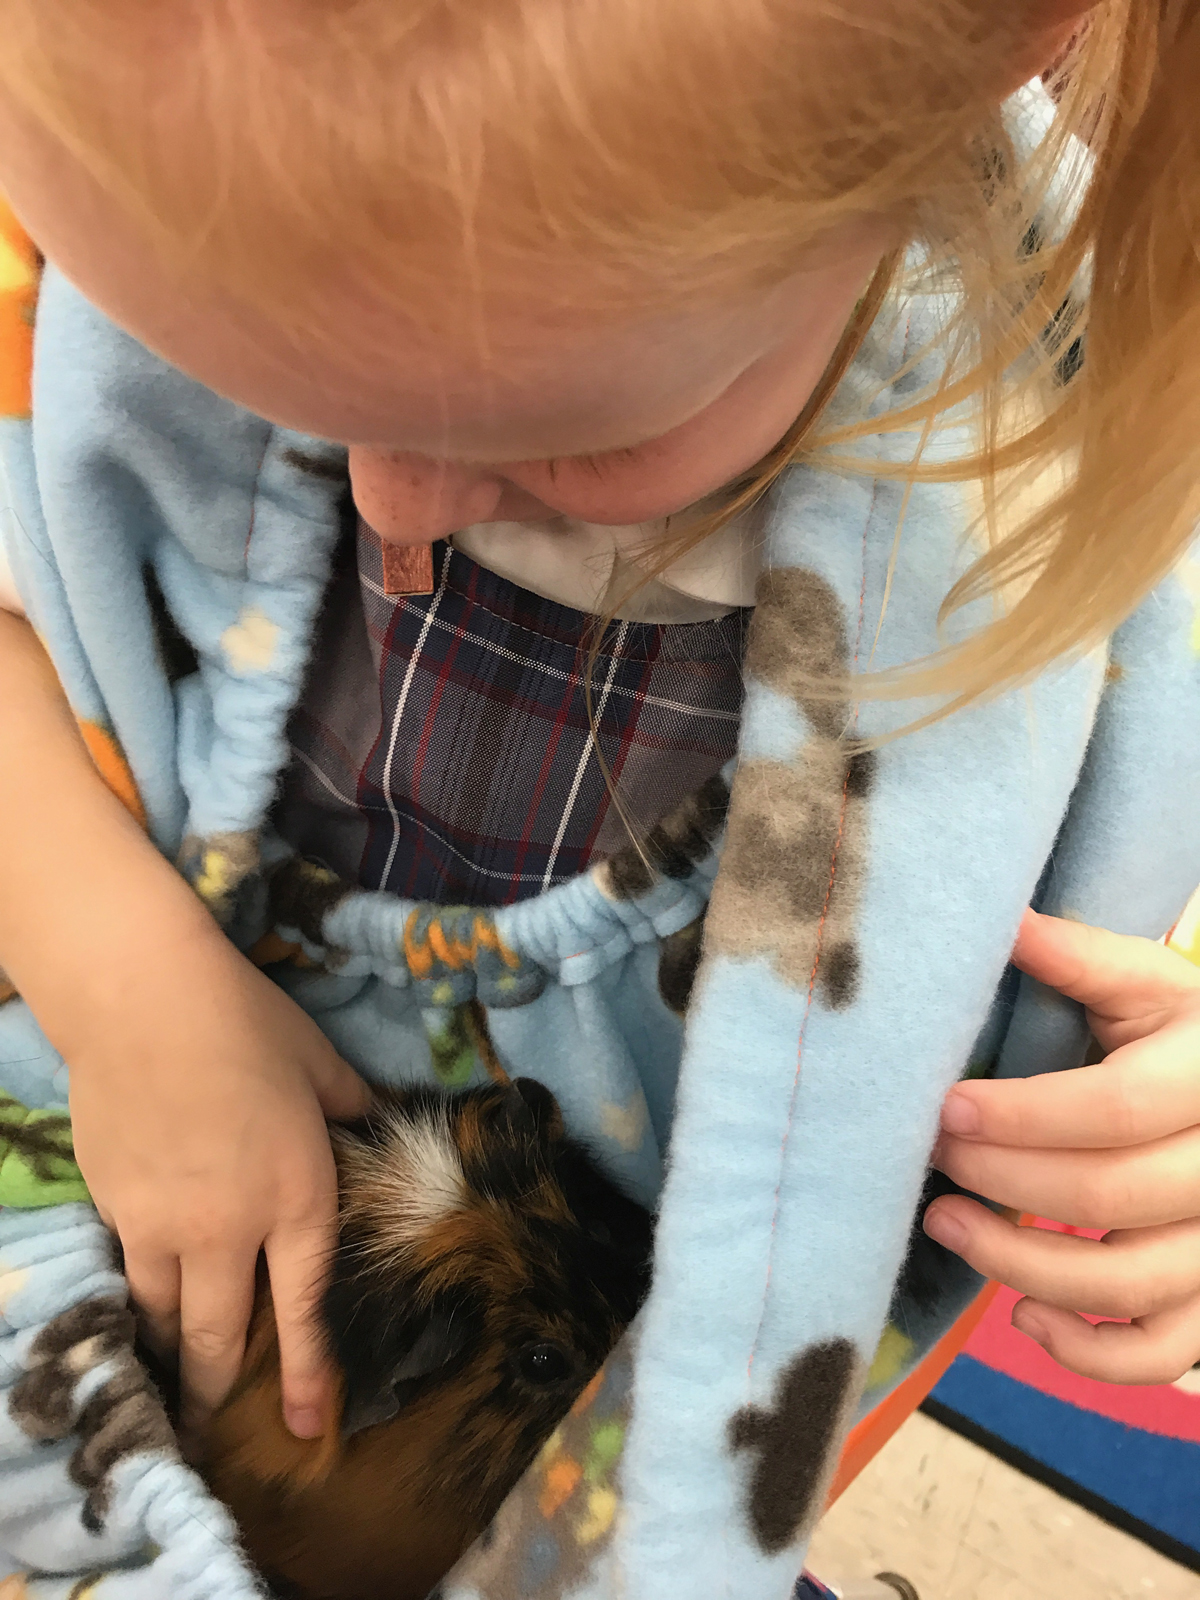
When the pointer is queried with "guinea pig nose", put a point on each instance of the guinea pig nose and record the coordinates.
(539, 1109)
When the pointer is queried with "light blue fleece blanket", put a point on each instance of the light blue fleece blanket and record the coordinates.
(855, 967)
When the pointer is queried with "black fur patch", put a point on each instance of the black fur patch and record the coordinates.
(792, 1441)
(278, 1588)
(389, 1356)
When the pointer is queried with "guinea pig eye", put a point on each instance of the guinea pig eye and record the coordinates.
(544, 1363)
(600, 1233)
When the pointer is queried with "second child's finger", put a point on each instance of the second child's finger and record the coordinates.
(1156, 1349)
(298, 1264)
(1138, 1187)
(1135, 1273)
(1129, 982)
(1141, 1092)
(215, 1304)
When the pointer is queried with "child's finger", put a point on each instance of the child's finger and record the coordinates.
(1132, 1273)
(1116, 977)
(342, 1094)
(298, 1264)
(1154, 1349)
(1141, 1092)
(1141, 1186)
(154, 1288)
(216, 1299)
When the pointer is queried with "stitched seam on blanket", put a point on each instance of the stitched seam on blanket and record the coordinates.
(812, 977)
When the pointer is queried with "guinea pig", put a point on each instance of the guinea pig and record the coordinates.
(485, 1267)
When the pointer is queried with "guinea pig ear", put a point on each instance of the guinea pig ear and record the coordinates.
(374, 1390)
(539, 1107)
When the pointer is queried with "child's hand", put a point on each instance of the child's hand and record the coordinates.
(197, 1087)
(198, 1104)
(1110, 1146)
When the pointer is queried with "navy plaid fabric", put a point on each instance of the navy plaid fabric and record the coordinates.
(443, 751)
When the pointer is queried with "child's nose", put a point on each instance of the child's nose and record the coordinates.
(411, 499)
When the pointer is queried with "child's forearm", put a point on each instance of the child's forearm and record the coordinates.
(88, 907)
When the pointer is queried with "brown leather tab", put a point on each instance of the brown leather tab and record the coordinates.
(407, 568)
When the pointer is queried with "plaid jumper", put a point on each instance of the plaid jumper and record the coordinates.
(442, 748)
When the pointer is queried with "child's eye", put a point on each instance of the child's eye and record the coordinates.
(597, 465)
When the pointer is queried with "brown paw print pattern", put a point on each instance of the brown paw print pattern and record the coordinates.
(678, 963)
(792, 1443)
(124, 1416)
(220, 868)
(795, 849)
(673, 848)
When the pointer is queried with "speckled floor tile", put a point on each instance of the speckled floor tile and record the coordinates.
(964, 1526)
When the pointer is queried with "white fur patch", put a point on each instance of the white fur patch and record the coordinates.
(421, 1177)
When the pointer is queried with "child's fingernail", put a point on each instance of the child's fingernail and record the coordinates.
(1028, 1322)
(960, 1114)
(304, 1421)
(945, 1227)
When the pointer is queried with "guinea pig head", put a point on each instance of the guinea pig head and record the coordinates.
(485, 1268)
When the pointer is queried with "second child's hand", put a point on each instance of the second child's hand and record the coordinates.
(1113, 1146)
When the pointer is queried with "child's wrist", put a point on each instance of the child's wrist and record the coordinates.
(126, 961)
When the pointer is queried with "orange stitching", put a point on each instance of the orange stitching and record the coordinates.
(418, 956)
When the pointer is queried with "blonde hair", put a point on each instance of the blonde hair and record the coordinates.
(668, 151)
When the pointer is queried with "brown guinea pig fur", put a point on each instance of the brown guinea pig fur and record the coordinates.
(485, 1268)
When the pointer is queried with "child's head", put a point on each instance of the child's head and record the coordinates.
(506, 232)
(502, 236)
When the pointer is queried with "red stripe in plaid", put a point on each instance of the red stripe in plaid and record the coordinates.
(443, 751)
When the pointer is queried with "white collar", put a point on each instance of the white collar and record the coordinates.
(588, 565)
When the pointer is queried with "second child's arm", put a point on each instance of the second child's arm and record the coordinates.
(198, 1089)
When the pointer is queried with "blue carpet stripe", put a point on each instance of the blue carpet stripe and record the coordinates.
(1150, 1478)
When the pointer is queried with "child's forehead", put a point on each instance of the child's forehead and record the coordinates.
(531, 386)
(530, 383)
(529, 376)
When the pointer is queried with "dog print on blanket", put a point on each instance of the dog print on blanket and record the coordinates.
(796, 841)
(121, 1417)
